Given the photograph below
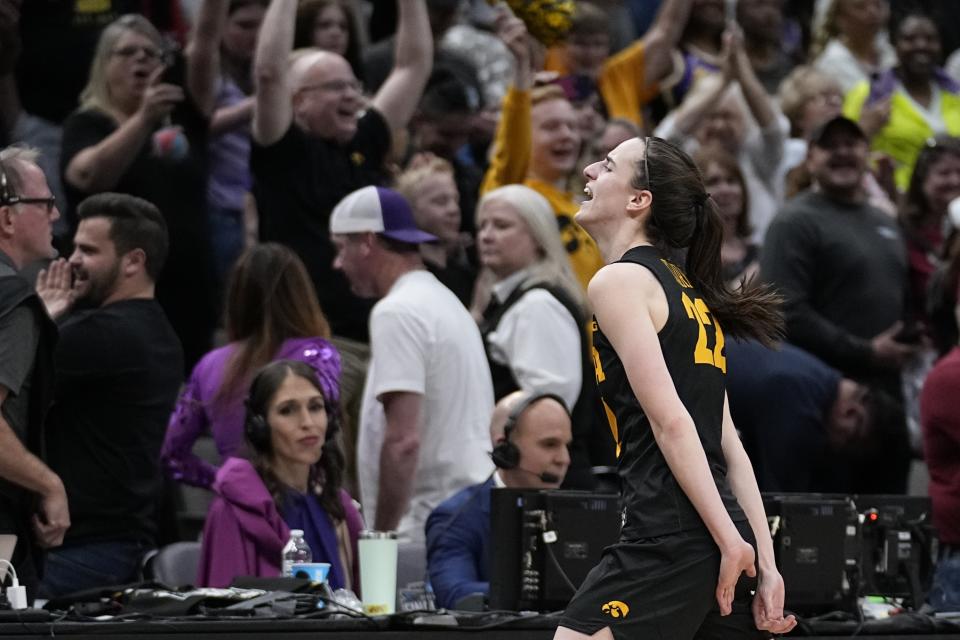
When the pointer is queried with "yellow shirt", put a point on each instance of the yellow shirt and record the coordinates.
(622, 83)
(907, 130)
(509, 164)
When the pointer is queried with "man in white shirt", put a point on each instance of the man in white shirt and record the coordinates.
(428, 394)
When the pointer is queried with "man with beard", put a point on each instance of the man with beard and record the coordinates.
(119, 367)
(841, 266)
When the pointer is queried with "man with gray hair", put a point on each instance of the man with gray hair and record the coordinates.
(33, 502)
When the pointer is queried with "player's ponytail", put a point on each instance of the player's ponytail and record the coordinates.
(683, 216)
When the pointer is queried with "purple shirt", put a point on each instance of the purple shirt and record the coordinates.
(229, 156)
(199, 407)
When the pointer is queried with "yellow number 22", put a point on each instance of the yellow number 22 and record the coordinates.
(697, 310)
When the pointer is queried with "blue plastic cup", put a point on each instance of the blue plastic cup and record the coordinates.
(314, 571)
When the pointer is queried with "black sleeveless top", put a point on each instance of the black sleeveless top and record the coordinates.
(692, 345)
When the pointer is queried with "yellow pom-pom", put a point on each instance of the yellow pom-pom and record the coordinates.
(547, 20)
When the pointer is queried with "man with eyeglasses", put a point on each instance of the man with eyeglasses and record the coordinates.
(317, 139)
(33, 503)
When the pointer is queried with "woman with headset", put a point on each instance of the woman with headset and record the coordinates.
(693, 520)
(291, 480)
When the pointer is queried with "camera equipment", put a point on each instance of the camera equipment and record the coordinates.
(816, 542)
(899, 546)
(547, 542)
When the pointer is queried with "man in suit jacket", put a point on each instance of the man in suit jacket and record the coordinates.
(531, 434)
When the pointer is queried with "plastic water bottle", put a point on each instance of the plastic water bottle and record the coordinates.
(294, 552)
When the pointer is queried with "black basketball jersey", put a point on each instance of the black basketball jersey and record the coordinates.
(692, 345)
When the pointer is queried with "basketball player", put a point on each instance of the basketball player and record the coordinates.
(694, 540)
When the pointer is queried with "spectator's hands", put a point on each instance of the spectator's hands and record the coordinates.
(874, 117)
(159, 98)
(511, 30)
(55, 288)
(53, 520)
(890, 353)
(9, 35)
(768, 605)
(734, 561)
(734, 61)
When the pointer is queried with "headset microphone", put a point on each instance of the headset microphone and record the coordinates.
(546, 476)
(506, 455)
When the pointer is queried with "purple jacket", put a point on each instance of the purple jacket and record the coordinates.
(199, 409)
(245, 533)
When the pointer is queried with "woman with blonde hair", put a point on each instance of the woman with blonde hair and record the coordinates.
(428, 184)
(533, 314)
(272, 313)
(142, 129)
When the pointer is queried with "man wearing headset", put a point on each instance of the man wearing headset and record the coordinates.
(33, 501)
(531, 434)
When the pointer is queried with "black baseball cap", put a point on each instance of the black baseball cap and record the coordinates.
(821, 131)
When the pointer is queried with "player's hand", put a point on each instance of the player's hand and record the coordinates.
(768, 605)
(735, 560)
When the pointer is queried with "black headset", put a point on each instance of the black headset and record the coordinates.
(257, 429)
(505, 454)
(6, 195)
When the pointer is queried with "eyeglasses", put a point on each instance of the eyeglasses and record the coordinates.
(825, 98)
(131, 51)
(335, 86)
(8, 198)
(49, 201)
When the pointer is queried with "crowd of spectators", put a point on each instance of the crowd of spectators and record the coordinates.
(379, 198)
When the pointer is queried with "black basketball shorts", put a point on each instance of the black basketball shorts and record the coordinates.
(663, 588)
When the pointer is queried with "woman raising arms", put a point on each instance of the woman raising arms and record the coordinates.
(692, 511)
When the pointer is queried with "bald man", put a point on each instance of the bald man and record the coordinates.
(458, 531)
(317, 138)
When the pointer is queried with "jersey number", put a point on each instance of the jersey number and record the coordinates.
(697, 310)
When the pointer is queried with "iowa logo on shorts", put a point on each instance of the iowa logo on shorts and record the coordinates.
(616, 609)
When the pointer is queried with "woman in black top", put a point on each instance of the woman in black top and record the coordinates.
(141, 129)
(692, 511)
